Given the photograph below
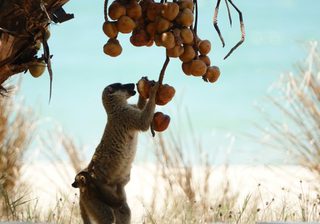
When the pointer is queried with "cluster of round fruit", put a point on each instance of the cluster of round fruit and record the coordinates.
(169, 25)
(164, 95)
(125, 15)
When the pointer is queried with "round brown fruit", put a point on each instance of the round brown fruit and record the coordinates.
(125, 24)
(36, 69)
(188, 54)
(143, 87)
(170, 10)
(185, 17)
(162, 25)
(205, 59)
(186, 68)
(165, 94)
(110, 29)
(134, 10)
(154, 9)
(160, 121)
(151, 28)
(112, 48)
(198, 68)
(212, 74)
(139, 38)
(116, 10)
(145, 4)
(175, 52)
(176, 32)
(167, 40)
(186, 36)
(204, 47)
(186, 4)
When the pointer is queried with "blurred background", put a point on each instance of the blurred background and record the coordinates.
(277, 33)
(241, 150)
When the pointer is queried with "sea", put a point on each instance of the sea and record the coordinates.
(217, 120)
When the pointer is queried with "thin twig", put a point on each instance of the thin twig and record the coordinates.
(163, 70)
(160, 80)
(196, 17)
(106, 10)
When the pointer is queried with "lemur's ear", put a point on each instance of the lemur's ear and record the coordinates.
(110, 89)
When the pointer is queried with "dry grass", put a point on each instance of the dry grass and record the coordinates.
(297, 129)
(16, 133)
(187, 193)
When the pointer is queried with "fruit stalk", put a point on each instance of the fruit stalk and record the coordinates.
(160, 80)
(196, 16)
(163, 70)
(105, 10)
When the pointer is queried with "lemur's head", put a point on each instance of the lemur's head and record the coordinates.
(117, 93)
(81, 179)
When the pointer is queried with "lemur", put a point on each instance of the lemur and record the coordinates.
(111, 163)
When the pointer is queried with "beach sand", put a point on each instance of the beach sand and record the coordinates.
(48, 182)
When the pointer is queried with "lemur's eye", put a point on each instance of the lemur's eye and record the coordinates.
(83, 179)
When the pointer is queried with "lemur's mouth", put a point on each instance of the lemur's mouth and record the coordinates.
(132, 93)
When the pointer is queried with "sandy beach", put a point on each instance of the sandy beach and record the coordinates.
(48, 182)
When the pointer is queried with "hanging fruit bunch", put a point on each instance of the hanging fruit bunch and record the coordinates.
(171, 25)
(168, 25)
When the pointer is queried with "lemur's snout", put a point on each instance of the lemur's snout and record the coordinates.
(75, 184)
(130, 88)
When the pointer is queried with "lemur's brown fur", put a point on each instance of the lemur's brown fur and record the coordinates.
(111, 163)
(112, 160)
(93, 206)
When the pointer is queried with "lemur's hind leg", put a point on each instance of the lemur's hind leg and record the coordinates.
(123, 214)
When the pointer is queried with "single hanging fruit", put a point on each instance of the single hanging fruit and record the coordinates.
(188, 54)
(116, 10)
(139, 38)
(186, 36)
(36, 69)
(170, 10)
(198, 67)
(204, 47)
(165, 94)
(125, 24)
(110, 29)
(112, 48)
(212, 74)
(167, 40)
(185, 17)
(134, 10)
(160, 121)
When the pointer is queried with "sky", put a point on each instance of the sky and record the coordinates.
(277, 33)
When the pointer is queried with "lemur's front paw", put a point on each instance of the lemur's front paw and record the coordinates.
(154, 90)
